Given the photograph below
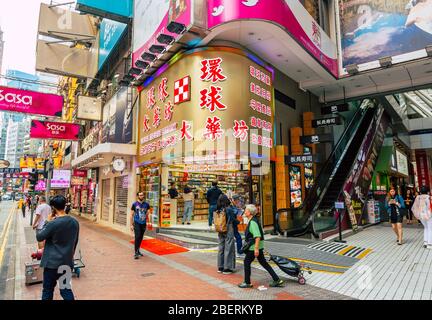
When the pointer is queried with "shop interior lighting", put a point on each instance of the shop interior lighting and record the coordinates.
(142, 64)
(429, 50)
(146, 56)
(175, 27)
(135, 71)
(165, 39)
(156, 49)
(352, 69)
(386, 62)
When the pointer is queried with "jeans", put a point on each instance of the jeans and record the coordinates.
(226, 251)
(212, 209)
(187, 214)
(50, 277)
(250, 256)
(238, 238)
(139, 230)
(427, 233)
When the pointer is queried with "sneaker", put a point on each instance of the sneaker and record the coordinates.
(136, 256)
(245, 285)
(220, 270)
(140, 254)
(240, 255)
(188, 223)
(278, 283)
(227, 271)
(182, 222)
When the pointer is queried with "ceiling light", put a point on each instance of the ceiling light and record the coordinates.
(135, 71)
(352, 69)
(175, 27)
(386, 62)
(141, 64)
(157, 49)
(148, 56)
(165, 39)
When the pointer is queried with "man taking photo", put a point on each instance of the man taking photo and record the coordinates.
(138, 221)
(60, 234)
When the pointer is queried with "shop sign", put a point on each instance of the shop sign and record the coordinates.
(78, 181)
(79, 173)
(40, 185)
(203, 106)
(110, 34)
(61, 179)
(301, 159)
(314, 139)
(32, 163)
(54, 130)
(120, 10)
(89, 108)
(212, 167)
(334, 109)
(30, 102)
(422, 168)
(9, 170)
(326, 122)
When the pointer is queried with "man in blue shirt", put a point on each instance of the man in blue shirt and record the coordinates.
(139, 213)
(212, 197)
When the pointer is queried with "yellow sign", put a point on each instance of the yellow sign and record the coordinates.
(32, 163)
(205, 99)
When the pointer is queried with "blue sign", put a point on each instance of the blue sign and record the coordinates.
(110, 33)
(120, 10)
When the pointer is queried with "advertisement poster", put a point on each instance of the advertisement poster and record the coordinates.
(295, 186)
(290, 15)
(402, 162)
(40, 186)
(30, 102)
(61, 179)
(54, 130)
(32, 163)
(117, 118)
(110, 33)
(374, 29)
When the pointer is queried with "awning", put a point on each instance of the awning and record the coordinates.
(102, 155)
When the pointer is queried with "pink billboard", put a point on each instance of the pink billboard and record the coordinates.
(147, 30)
(289, 14)
(54, 130)
(16, 100)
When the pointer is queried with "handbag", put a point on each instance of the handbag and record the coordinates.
(247, 244)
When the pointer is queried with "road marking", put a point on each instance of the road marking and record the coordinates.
(5, 234)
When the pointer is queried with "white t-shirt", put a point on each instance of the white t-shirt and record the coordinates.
(43, 210)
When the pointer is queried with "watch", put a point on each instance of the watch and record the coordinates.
(119, 164)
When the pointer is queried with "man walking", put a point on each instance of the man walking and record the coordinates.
(212, 196)
(238, 203)
(138, 221)
(43, 210)
(60, 234)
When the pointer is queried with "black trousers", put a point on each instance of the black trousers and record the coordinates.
(250, 257)
(139, 230)
(23, 208)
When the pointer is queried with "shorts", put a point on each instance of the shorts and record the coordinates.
(396, 218)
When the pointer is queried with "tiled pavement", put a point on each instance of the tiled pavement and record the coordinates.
(389, 272)
(112, 273)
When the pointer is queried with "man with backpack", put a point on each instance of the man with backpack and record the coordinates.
(422, 210)
(212, 197)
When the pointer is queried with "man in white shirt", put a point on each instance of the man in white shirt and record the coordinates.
(43, 210)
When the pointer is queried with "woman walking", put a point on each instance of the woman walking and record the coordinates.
(189, 198)
(226, 251)
(409, 201)
(393, 204)
(423, 211)
(254, 235)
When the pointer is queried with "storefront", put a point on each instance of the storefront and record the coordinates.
(207, 116)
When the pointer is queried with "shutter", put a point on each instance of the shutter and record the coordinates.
(106, 200)
(121, 200)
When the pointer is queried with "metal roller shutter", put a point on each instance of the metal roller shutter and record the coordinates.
(106, 200)
(121, 200)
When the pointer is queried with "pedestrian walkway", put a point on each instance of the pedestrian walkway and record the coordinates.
(112, 273)
(341, 249)
(389, 272)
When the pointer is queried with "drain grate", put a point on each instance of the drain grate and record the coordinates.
(145, 275)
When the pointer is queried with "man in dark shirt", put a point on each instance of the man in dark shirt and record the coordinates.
(138, 221)
(173, 193)
(212, 197)
(60, 234)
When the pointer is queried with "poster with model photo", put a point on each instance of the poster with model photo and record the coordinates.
(374, 29)
(123, 116)
(177, 7)
(105, 123)
(295, 186)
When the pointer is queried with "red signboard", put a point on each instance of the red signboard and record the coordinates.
(16, 100)
(422, 168)
(54, 130)
(80, 173)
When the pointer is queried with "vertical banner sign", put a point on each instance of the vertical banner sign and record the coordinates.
(422, 168)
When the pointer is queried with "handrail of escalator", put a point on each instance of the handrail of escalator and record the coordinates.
(323, 178)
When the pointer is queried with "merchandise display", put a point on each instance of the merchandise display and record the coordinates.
(149, 183)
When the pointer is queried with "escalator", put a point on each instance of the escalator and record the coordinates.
(316, 214)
